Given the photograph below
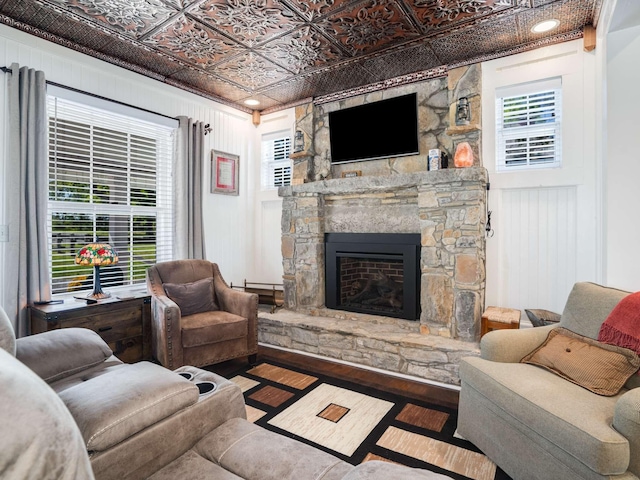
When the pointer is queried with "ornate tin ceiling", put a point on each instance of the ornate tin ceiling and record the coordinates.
(282, 52)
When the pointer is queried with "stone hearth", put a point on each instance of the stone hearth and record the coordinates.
(369, 340)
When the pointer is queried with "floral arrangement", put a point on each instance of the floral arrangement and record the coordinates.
(97, 254)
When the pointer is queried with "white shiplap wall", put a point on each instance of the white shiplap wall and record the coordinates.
(538, 260)
(229, 226)
(547, 225)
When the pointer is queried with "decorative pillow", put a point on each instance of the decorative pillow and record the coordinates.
(195, 297)
(598, 367)
(540, 318)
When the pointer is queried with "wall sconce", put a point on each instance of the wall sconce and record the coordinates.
(463, 111)
(298, 142)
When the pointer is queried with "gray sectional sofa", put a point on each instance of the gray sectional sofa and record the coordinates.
(535, 424)
(72, 411)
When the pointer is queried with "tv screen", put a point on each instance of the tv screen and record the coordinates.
(388, 128)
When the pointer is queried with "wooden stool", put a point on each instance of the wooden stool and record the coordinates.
(496, 318)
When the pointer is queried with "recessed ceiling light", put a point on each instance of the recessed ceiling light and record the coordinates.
(251, 102)
(545, 26)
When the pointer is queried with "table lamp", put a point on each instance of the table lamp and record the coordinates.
(96, 255)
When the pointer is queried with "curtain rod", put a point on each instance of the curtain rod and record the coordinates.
(107, 99)
(8, 70)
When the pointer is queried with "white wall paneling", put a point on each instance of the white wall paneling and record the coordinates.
(622, 190)
(545, 220)
(268, 207)
(538, 257)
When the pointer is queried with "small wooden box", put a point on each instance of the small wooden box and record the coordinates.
(496, 318)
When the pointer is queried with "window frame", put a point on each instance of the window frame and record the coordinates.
(269, 165)
(93, 210)
(531, 134)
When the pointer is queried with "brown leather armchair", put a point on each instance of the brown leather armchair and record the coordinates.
(197, 319)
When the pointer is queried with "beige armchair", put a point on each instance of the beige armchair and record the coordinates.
(535, 424)
(196, 318)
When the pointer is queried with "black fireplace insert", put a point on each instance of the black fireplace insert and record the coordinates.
(376, 273)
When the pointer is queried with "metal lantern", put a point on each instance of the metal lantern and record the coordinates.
(463, 111)
(298, 142)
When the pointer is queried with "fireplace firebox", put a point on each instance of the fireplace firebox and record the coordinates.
(376, 273)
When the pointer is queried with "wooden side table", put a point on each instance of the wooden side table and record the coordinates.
(124, 323)
(496, 318)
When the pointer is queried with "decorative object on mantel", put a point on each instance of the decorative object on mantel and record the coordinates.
(437, 159)
(433, 160)
(352, 174)
(97, 255)
(463, 156)
(298, 142)
(463, 112)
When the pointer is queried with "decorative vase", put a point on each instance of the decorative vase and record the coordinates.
(463, 156)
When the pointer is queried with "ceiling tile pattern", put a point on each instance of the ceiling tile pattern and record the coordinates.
(283, 51)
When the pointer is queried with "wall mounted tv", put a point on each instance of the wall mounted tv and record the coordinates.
(388, 128)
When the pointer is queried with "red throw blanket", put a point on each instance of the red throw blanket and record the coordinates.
(622, 326)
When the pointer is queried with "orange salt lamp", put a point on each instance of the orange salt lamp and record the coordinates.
(463, 156)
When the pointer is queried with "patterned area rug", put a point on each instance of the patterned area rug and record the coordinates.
(357, 423)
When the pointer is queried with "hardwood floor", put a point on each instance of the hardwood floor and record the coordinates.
(399, 386)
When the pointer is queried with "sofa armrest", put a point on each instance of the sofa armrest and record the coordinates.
(509, 346)
(57, 354)
(626, 420)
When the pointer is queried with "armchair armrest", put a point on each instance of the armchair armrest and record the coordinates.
(166, 333)
(60, 353)
(509, 346)
(626, 420)
(236, 302)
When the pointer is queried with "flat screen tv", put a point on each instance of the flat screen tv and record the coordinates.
(388, 128)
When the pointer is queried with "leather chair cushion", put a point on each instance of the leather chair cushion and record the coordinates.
(112, 407)
(212, 327)
(194, 297)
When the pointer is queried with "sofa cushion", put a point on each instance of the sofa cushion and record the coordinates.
(61, 353)
(112, 407)
(193, 466)
(253, 453)
(534, 401)
(194, 297)
(212, 327)
(588, 305)
(598, 367)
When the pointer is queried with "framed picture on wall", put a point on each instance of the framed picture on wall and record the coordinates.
(224, 173)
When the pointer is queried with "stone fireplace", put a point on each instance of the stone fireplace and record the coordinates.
(445, 208)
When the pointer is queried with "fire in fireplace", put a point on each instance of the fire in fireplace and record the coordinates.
(373, 273)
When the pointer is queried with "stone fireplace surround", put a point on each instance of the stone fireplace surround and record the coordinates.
(447, 209)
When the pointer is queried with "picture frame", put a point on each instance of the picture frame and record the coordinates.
(224, 173)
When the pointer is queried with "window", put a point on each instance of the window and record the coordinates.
(528, 133)
(276, 166)
(109, 181)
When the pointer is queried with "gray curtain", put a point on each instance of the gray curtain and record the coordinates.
(26, 274)
(189, 234)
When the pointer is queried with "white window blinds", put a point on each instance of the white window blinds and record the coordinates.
(109, 181)
(528, 129)
(276, 165)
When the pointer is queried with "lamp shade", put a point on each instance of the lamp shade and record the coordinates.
(97, 255)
